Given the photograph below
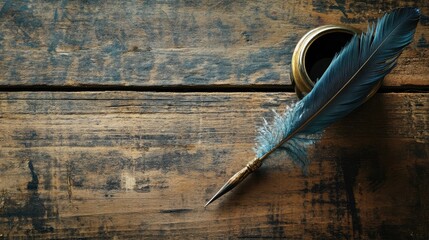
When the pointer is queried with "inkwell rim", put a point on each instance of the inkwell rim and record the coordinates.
(299, 76)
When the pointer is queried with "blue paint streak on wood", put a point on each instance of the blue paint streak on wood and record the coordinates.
(269, 77)
(263, 59)
(255, 62)
(55, 36)
(1, 45)
(5, 8)
(211, 68)
(88, 65)
(222, 31)
(15, 73)
(62, 63)
(23, 18)
(138, 66)
(215, 68)
(168, 69)
(114, 50)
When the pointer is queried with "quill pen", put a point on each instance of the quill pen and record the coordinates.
(352, 74)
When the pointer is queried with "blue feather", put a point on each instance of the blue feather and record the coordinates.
(352, 74)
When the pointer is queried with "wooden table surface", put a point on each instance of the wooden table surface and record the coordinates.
(120, 119)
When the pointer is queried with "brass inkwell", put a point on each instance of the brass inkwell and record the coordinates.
(315, 51)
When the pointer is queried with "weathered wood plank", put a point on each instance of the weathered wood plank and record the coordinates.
(171, 43)
(128, 164)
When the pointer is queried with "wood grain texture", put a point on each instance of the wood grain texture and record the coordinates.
(179, 43)
(142, 165)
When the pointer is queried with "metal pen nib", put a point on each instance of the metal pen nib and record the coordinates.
(237, 178)
(246, 171)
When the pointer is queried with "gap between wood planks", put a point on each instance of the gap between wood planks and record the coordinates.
(180, 88)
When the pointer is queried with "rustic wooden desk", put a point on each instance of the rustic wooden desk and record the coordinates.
(120, 119)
